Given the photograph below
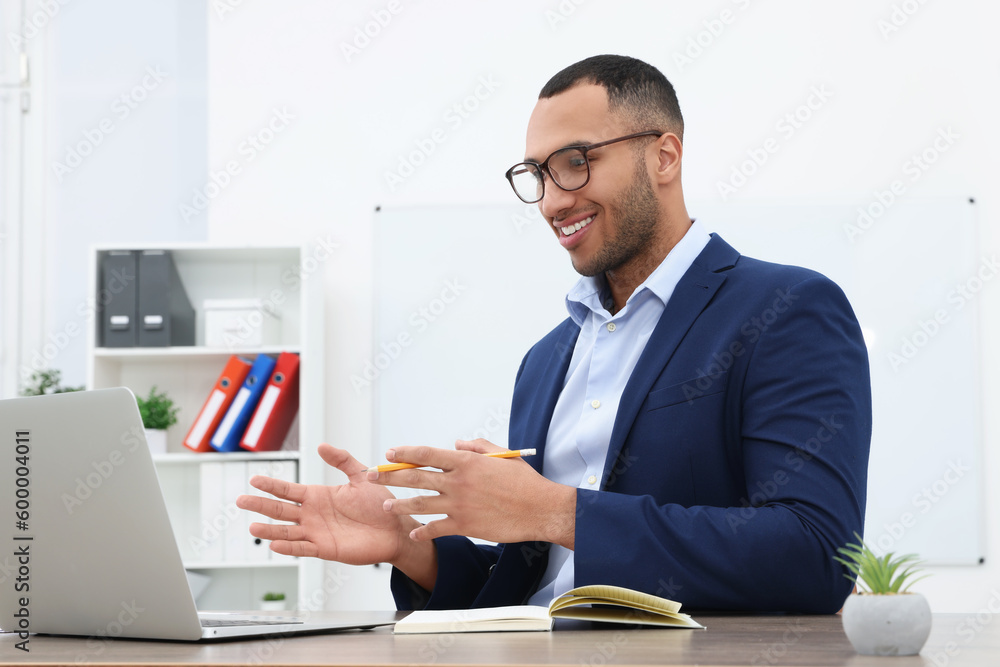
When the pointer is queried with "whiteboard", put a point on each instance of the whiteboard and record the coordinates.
(462, 292)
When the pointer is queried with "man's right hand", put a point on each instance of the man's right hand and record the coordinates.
(343, 523)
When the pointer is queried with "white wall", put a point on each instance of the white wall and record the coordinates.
(121, 87)
(357, 115)
(330, 127)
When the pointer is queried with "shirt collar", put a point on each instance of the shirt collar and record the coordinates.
(585, 296)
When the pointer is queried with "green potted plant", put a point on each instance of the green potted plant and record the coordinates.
(884, 618)
(158, 413)
(45, 382)
(273, 602)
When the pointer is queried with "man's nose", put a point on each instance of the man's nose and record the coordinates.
(555, 200)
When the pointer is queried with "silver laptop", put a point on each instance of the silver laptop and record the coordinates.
(101, 560)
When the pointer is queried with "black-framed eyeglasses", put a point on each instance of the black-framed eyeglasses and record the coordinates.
(569, 168)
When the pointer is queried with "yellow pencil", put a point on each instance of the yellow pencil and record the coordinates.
(506, 454)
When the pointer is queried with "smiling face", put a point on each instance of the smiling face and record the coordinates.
(613, 221)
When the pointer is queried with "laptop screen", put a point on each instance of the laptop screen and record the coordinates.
(90, 550)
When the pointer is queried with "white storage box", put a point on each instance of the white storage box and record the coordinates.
(236, 323)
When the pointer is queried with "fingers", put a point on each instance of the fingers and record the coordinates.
(289, 540)
(278, 532)
(435, 529)
(412, 478)
(414, 505)
(301, 549)
(480, 446)
(341, 459)
(425, 457)
(279, 488)
(269, 507)
(432, 457)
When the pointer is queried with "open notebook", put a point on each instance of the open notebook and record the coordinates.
(624, 606)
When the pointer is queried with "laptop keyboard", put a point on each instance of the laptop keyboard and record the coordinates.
(231, 623)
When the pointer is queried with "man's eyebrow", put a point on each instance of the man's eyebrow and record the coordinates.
(579, 142)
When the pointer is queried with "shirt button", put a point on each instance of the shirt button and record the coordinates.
(611, 326)
(595, 404)
(592, 480)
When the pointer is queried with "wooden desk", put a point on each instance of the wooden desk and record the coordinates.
(729, 640)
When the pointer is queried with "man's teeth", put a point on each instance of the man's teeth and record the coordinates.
(569, 230)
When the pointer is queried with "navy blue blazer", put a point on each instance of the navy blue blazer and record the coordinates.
(738, 459)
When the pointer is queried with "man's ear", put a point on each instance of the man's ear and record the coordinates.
(668, 158)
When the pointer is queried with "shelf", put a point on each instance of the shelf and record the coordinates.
(207, 457)
(194, 565)
(210, 252)
(273, 275)
(184, 353)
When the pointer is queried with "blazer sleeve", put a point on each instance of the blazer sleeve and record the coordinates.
(466, 567)
(797, 419)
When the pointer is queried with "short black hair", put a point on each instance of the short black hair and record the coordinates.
(636, 89)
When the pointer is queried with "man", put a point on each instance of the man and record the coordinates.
(702, 419)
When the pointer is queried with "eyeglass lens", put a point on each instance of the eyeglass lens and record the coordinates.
(567, 167)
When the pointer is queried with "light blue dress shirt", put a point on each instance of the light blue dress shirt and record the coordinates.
(606, 352)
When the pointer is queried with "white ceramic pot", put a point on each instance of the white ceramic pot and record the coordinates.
(887, 624)
(156, 439)
(272, 605)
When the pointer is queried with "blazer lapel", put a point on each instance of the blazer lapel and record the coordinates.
(521, 565)
(693, 292)
(548, 385)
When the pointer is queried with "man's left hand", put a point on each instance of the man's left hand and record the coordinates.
(500, 500)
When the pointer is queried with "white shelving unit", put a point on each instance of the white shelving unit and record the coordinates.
(274, 275)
